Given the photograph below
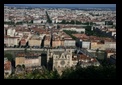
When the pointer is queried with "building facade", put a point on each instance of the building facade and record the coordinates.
(29, 60)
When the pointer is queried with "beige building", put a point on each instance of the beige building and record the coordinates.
(103, 46)
(35, 40)
(32, 61)
(97, 45)
(28, 60)
(57, 42)
(47, 41)
(20, 59)
(109, 52)
(110, 44)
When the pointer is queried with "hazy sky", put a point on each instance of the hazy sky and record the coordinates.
(68, 5)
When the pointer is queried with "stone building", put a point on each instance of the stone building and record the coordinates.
(60, 60)
(29, 60)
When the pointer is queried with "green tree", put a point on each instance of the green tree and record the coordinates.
(48, 18)
(63, 22)
(70, 33)
(82, 32)
(23, 66)
(9, 56)
(108, 23)
(91, 72)
(97, 52)
(58, 27)
(25, 50)
(19, 66)
(72, 22)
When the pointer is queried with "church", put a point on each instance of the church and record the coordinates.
(59, 60)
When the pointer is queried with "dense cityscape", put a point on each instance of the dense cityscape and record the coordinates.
(59, 43)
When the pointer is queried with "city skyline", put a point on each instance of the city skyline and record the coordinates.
(64, 5)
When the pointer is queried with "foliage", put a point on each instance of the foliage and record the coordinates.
(48, 18)
(19, 66)
(9, 23)
(108, 23)
(89, 32)
(25, 50)
(91, 72)
(19, 23)
(70, 33)
(8, 56)
(23, 66)
(58, 27)
(37, 74)
(70, 22)
(78, 43)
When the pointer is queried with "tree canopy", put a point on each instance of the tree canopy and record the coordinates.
(91, 72)
(8, 56)
(69, 32)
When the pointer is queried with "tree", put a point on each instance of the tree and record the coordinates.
(15, 46)
(31, 21)
(4, 45)
(9, 56)
(77, 22)
(72, 22)
(48, 18)
(25, 50)
(55, 75)
(108, 23)
(70, 33)
(19, 66)
(58, 26)
(97, 52)
(63, 22)
(38, 33)
(91, 72)
(27, 44)
(78, 43)
(82, 32)
(23, 66)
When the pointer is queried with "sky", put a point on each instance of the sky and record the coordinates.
(67, 5)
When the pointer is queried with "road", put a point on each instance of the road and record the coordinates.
(55, 24)
(84, 51)
(16, 49)
(87, 53)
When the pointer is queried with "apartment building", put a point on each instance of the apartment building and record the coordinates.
(11, 32)
(35, 41)
(69, 42)
(29, 60)
(11, 41)
(47, 41)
